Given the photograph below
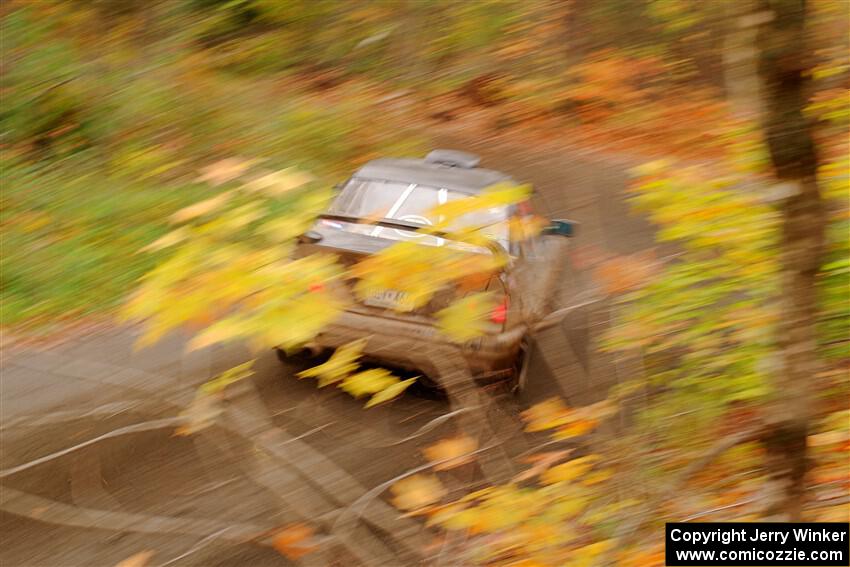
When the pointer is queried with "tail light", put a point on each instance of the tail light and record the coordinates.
(500, 312)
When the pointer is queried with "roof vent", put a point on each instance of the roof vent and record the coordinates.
(453, 158)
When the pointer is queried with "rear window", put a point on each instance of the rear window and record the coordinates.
(410, 202)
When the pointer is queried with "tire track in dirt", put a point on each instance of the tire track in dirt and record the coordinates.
(156, 473)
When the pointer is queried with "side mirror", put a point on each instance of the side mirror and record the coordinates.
(561, 227)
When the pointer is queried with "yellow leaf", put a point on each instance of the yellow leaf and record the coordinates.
(299, 320)
(575, 429)
(285, 228)
(483, 493)
(568, 508)
(228, 377)
(455, 516)
(369, 381)
(568, 471)
(342, 363)
(528, 563)
(390, 392)
(595, 549)
(467, 318)
(524, 228)
(220, 331)
(455, 452)
(154, 330)
(505, 193)
(548, 414)
(142, 303)
(294, 541)
(498, 195)
(416, 492)
(541, 463)
(598, 477)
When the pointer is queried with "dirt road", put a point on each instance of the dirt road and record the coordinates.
(92, 473)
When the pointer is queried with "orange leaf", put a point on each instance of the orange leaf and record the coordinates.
(454, 452)
(548, 414)
(137, 560)
(575, 429)
(541, 463)
(417, 492)
(625, 273)
(294, 542)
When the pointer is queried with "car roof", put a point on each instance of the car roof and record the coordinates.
(469, 180)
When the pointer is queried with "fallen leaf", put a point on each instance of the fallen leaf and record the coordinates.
(598, 477)
(455, 452)
(575, 429)
(568, 471)
(137, 560)
(416, 492)
(295, 541)
(541, 463)
(625, 273)
(548, 414)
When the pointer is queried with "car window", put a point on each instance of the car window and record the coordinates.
(410, 202)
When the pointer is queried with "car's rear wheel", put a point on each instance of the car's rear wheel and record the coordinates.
(299, 356)
(429, 388)
(521, 376)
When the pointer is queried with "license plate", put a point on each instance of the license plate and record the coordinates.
(388, 299)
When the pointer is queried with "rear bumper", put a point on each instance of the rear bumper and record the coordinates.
(414, 345)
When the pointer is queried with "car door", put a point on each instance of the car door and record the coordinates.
(537, 272)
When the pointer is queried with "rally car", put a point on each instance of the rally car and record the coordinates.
(403, 192)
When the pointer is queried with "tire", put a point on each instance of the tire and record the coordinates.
(304, 356)
(428, 388)
(522, 365)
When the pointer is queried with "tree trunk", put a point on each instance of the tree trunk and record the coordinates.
(740, 73)
(783, 62)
